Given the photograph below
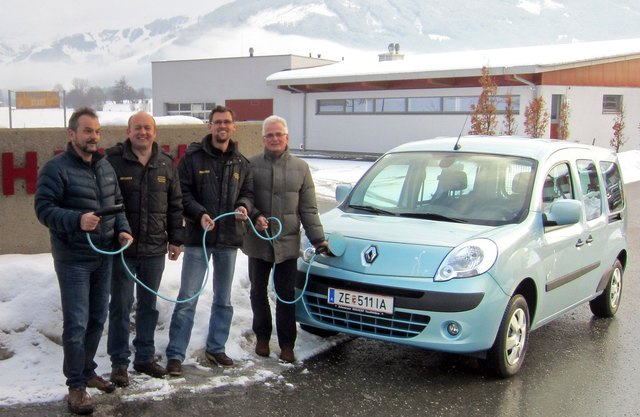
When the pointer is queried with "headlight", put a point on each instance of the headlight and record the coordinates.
(472, 258)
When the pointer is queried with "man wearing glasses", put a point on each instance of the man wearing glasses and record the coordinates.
(215, 178)
(283, 189)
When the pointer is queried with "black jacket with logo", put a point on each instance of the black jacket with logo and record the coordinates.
(152, 199)
(215, 183)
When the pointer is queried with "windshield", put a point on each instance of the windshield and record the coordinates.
(446, 186)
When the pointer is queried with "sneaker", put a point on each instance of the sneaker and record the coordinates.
(120, 377)
(174, 367)
(262, 348)
(79, 401)
(101, 384)
(150, 368)
(220, 358)
(286, 355)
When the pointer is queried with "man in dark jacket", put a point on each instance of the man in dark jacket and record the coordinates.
(153, 203)
(71, 187)
(215, 179)
(284, 189)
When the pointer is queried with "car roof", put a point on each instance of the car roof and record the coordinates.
(538, 149)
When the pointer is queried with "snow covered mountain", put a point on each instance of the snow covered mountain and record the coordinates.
(334, 29)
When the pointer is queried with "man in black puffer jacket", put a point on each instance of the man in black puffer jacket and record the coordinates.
(215, 179)
(153, 202)
(71, 187)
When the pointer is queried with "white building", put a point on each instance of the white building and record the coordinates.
(374, 106)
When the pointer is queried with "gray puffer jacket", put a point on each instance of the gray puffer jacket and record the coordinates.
(283, 188)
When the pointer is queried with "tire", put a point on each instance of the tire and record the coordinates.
(606, 304)
(506, 356)
(317, 331)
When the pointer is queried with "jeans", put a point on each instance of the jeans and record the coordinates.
(194, 266)
(149, 271)
(284, 283)
(84, 294)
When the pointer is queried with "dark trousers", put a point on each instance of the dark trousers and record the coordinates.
(284, 281)
(149, 271)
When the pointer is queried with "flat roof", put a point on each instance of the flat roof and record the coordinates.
(530, 60)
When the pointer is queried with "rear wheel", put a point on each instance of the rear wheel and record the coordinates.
(507, 353)
(607, 303)
(317, 331)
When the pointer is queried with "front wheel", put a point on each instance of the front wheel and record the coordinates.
(507, 353)
(607, 303)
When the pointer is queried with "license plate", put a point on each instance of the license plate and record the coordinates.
(352, 300)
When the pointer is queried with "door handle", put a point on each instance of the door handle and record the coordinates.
(589, 240)
(579, 243)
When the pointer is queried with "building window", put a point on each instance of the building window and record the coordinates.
(410, 105)
(611, 103)
(199, 110)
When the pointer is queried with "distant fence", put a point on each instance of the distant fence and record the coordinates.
(25, 151)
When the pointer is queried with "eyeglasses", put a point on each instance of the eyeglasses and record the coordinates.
(221, 122)
(274, 135)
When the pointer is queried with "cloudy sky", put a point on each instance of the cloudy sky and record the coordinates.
(36, 20)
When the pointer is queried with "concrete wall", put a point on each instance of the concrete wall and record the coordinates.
(25, 151)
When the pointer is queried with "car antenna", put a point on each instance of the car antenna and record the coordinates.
(457, 145)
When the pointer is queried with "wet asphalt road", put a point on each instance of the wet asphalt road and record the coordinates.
(575, 366)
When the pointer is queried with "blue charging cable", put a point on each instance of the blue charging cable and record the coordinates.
(204, 249)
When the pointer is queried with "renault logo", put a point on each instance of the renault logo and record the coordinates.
(370, 254)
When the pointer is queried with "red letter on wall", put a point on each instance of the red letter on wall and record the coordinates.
(10, 173)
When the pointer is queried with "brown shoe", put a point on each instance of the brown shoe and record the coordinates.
(220, 358)
(262, 348)
(286, 355)
(174, 367)
(120, 377)
(150, 368)
(79, 401)
(101, 384)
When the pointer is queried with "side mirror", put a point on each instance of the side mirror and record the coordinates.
(564, 212)
(342, 191)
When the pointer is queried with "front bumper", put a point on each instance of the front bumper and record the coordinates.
(420, 316)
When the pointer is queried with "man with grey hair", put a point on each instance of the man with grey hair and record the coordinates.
(284, 189)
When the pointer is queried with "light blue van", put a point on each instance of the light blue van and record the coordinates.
(467, 244)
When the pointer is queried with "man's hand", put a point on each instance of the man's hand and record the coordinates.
(124, 237)
(323, 248)
(89, 222)
(174, 252)
(262, 223)
(241, 213)
(207, 223)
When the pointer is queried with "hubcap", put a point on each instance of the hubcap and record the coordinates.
(516, 337)
(616, 288)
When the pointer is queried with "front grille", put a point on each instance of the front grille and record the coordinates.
(401, 324)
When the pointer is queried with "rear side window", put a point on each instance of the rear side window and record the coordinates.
(613, 184)
(590, 188)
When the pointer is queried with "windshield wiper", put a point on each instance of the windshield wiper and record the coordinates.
(372, 209)
(433, 216)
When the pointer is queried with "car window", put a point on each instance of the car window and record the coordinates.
(386, 188)
(590, 188)
(557, 185)
(472, 188)
(613, 184)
